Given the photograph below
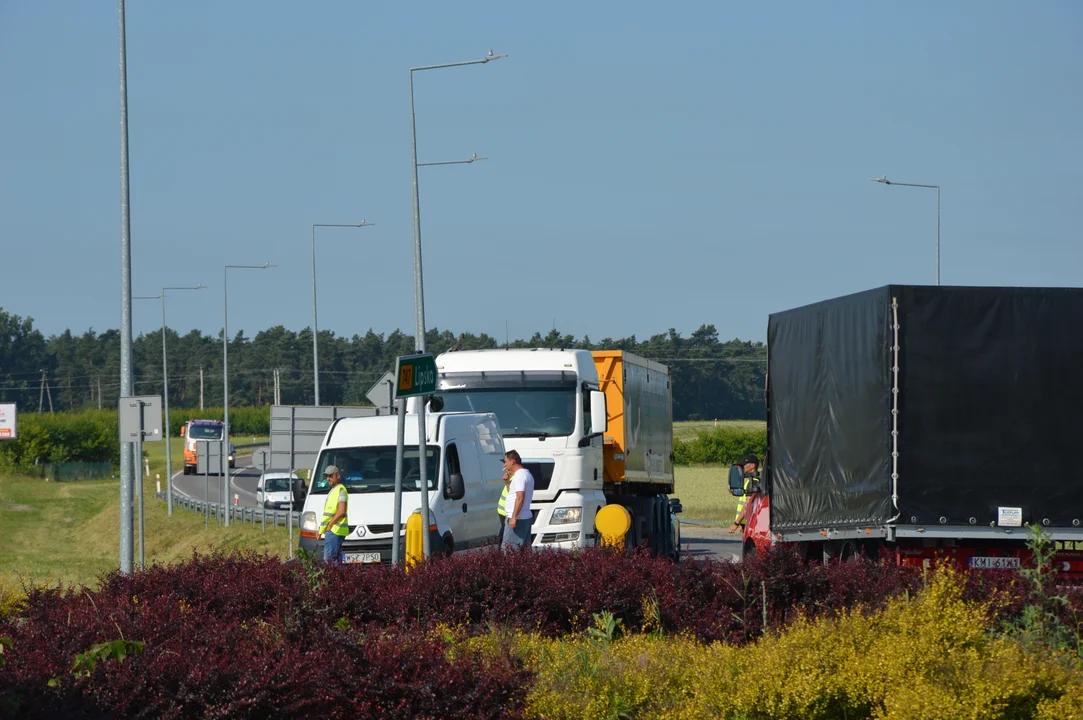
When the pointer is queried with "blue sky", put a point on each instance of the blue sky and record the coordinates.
(649, 166)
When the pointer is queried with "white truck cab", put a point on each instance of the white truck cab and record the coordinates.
(553, 413)
(464, 455)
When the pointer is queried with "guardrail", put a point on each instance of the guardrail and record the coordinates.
(237, 513)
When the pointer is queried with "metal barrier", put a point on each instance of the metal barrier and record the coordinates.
(237, 513)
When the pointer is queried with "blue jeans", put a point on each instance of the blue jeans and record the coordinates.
(332, 547)
(518, 536)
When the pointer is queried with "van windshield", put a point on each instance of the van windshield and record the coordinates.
(372, 469)
(205, 432)
(278, 484)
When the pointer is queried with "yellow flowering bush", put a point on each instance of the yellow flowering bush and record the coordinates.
(928, 657)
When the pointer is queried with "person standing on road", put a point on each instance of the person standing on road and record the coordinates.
(333, 528)
(517, 505)
(751, 468)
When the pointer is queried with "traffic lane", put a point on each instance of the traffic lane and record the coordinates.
(709, 542)
(209, 487)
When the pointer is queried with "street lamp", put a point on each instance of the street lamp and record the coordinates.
(883, 179)
(419, 310)
(315, 347)
(225, 378)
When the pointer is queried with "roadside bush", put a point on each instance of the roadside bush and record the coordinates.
(929, 656)
(90, 436)
(606, 635)
(725, 445)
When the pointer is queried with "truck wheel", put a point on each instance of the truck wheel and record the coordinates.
(748, 551)
(848, 553)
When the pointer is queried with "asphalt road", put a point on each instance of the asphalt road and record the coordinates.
(709, 541)
(242, 483)
(697, 540)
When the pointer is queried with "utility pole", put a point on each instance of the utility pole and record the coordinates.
(41, 397)
(201, 387)
(49, 394)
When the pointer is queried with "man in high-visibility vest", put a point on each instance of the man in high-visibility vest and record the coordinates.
(333, 528)
(751, 466)
(500, 510)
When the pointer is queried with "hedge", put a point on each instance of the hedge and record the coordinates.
(526, 634)
(721, 445)
(92, 436)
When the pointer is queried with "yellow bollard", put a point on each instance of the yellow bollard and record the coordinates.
(613, 522)
(415, 546)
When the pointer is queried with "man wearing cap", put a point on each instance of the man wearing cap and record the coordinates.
(751, 464)
(333, 527)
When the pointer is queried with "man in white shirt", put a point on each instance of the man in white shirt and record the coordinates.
(517, 506)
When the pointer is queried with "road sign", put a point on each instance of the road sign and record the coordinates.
(378, 394)
(261, 458)
(9, 429)
(416, 374)
(141, 418)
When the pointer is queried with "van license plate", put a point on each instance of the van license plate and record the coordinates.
(994, 563)
(361, 557)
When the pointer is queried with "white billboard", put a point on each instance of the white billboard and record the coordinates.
(8, 422)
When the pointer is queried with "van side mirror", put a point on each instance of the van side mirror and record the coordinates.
(599, 420)
(737, 481)
(183, 428)
(299, 490)
(455, 489)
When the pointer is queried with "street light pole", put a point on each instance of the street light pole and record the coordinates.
(883, 179)
(128, 462)
(225, 381)
(419, 294)
(165, 390)
(315, 330)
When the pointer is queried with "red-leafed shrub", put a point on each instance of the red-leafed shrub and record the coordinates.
(250, 636)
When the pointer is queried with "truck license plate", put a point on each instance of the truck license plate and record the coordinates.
(361, 557)
(994, 563)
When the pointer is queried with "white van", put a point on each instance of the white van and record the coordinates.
(275, 490)
(464, 453)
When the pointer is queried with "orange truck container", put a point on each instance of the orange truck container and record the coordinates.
(638, 447)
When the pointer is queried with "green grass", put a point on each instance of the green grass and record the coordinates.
(704, 493)
(683, 431)
(69, 532)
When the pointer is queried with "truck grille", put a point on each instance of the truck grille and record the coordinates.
(383, 528)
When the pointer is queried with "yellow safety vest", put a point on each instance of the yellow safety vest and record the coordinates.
(741, 500)
(503, 496)
(330, 507)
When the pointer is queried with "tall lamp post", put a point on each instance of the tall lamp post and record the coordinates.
(165, 389)
(165, 394)
(883, 179)
(315, 329)
(419, 309)
(225, 379)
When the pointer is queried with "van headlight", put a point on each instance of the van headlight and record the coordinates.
(567, 515)
(308, 522)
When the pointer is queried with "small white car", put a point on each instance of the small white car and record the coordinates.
(275, 490)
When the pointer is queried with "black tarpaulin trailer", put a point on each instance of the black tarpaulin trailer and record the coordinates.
(943, 410)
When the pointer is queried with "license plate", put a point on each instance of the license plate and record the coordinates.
(994, 563)
(361, 557)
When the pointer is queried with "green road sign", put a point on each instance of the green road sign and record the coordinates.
(416, 374)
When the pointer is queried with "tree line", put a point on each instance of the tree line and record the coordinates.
(712, 379)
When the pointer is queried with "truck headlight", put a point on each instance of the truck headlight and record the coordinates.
(567, 515)
(308, 522)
